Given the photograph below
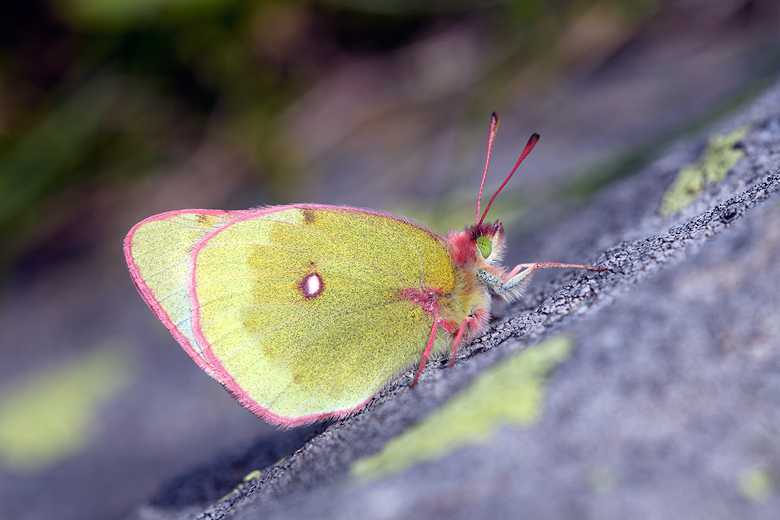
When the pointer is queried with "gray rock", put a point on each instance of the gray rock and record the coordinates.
(669, 406)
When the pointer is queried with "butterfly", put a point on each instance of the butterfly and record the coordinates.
(303, 312)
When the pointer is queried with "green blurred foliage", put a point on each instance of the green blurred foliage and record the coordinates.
(97, 92)
(120, 14)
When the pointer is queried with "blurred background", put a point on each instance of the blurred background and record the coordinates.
(114, 110)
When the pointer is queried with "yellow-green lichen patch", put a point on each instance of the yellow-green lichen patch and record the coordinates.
(718, 159)
(247, 480)
(755, 484)
(509, 394)
(51, 414)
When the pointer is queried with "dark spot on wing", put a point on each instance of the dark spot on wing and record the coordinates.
(309, 216)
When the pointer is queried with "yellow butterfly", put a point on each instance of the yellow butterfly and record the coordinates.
(304, 312)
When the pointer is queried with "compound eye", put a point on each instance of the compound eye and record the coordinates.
(485, 246)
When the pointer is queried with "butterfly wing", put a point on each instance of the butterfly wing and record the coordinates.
(297, 310)
(158, 251)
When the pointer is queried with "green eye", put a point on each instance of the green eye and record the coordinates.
(485, 247)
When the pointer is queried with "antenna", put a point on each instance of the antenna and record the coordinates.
(528, 147)
(491, 136)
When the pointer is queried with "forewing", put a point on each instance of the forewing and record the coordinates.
(294, 358)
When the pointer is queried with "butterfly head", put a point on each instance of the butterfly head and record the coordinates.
(487, 242)
(477, 246)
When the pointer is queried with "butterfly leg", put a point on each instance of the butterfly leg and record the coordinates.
(469, 320)
(521, 272)
(427, 350)
(458, 338)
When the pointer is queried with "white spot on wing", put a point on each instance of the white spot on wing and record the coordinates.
(312, 285)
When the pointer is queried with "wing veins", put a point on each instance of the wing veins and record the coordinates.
(311, 336)
(419, 256)
(325, 258)
(157, 258)
(354, 217)
(170, 232)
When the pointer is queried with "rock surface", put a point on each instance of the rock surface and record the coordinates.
(668, 407)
